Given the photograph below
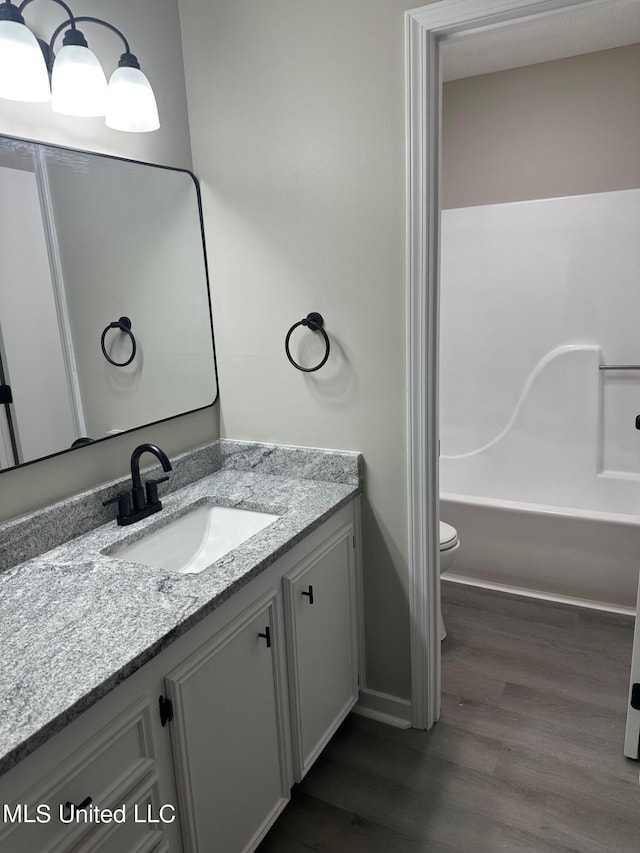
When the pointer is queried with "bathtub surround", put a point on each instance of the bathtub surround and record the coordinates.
(535, 295)
(544, 477)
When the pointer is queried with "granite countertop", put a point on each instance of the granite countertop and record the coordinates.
(76, 622)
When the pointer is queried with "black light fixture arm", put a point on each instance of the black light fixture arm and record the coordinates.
(10, 12)
(66, 8)
(121, 112)
(74, 19)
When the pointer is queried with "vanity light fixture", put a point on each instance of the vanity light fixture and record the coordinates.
(78, 83)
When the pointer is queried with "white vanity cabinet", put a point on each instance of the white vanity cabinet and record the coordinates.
(255, 703)
(322, 644)
(229, 733)
(253, 691)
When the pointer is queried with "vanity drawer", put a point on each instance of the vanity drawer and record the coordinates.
(105, 768)
(134, 835)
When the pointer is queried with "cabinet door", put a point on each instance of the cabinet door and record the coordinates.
(321, 612)
(228, 734)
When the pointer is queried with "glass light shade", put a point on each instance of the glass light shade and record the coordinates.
(23, 72)
(131, 104)
(78, 83)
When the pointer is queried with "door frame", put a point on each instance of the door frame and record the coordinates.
(425, 28)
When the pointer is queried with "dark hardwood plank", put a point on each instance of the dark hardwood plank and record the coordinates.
(309, 824)
(480, 682)
(458, 747)
(584, 787)
(502, 605)
(588, 828)
(536, 735)
(443, 809)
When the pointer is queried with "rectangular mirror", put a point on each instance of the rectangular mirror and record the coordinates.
(105, 315)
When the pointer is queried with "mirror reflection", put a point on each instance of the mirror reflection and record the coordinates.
(105, 321)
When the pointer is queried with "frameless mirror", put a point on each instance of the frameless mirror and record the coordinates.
(105, 317)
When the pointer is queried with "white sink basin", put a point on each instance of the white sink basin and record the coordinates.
(195, 540)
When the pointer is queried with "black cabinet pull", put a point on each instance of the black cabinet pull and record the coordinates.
(166, 710)
(70, 807)
(266, 636)
(309, 593)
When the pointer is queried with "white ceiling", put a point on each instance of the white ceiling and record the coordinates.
(552, 37)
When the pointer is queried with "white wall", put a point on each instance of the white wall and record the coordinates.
(297, 118)
(153, 29)
(552, 129)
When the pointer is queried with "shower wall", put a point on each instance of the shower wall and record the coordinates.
(520, 281)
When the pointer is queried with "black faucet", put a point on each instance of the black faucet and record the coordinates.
(143, 500)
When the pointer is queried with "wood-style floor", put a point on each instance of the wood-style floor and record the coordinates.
(527, 755)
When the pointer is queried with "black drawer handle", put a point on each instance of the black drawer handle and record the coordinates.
(70, 808)
(266, 636)
(309, 593)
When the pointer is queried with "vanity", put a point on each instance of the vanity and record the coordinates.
(165, 679)
(156, 710)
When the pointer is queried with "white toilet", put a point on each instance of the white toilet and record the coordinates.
(449, 544)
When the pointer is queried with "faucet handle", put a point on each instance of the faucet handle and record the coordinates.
(124, 504)
(151, 487)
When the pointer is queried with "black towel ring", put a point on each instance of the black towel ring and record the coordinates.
(315, 322)
(124, 324)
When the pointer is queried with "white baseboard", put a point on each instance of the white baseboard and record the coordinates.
(385, 708)
(535, 593)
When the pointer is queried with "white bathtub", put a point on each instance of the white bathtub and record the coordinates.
(592, 556)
